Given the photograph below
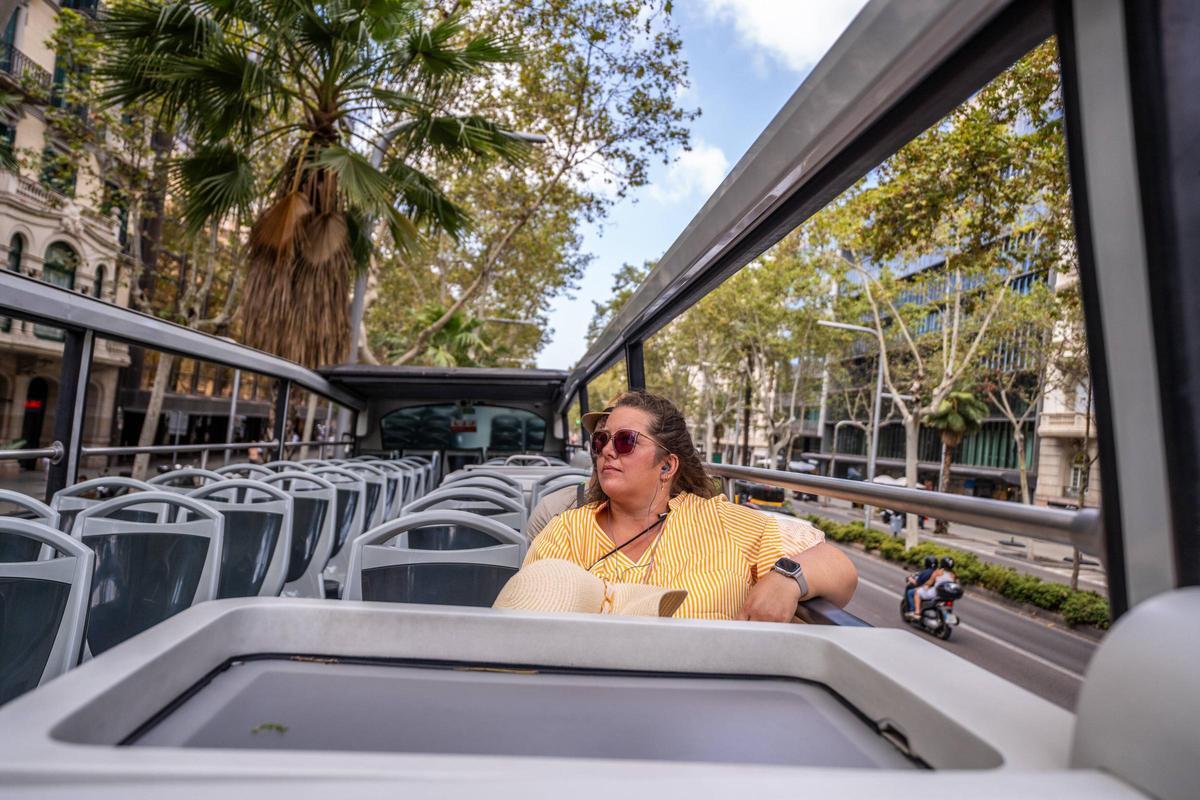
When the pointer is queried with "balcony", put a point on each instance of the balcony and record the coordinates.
(1069, 424)
(23, 73)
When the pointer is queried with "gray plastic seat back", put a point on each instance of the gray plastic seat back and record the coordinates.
(285, 466)
(314, 502)
(350, 518)
(424, 470)
(147, 572)
(393, 497)
(404, 572)
(488, 482)
(376, 492)
(527, 460)
(22, 506)
(258, 536)
(43, 605)
(1137, 713)
(496, 474)
(549, 482)
(70, 501)
(476, 499)
(185, 480)
(244, 469)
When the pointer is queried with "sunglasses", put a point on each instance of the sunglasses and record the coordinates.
(623, 441)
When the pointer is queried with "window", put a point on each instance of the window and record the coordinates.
(98, 283)
(463, 426)
(58, 269)
(16, 248)
(1076, 479)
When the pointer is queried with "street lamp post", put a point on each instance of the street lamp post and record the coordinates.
(873, 442)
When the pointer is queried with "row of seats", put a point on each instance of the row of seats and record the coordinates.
(139, 553)
(113, 556)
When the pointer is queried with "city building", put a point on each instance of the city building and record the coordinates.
(53, 226)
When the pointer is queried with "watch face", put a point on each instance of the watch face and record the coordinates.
(787, 565)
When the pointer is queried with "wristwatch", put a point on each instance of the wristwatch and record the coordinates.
(785, 566)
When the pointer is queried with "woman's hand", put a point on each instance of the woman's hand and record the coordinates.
(773, 599)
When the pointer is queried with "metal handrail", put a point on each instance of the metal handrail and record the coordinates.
(1082, 529)
(169, 448)
(54, 452)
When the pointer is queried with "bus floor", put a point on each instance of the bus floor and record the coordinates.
(1044, 658)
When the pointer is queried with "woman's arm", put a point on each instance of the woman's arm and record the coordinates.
(829, 572)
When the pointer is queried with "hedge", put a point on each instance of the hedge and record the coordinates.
(1076, 607)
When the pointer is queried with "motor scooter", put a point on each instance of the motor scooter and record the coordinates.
(937, 615)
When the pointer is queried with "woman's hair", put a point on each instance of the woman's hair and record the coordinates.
(670, 430)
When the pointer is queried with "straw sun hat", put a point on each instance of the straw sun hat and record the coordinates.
(556, 585)
(592, 418)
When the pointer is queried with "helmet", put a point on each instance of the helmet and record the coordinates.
(947, 562)
(930, 562)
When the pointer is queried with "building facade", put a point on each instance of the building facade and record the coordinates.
(53, 227)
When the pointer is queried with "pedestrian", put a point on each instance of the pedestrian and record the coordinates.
(897, 522)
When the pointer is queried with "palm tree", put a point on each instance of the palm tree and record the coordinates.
(327, 107)
(957, 417)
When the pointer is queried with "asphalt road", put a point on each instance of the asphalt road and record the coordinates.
(1043, 657)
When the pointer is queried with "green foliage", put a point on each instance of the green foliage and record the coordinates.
(957, 416)
(333, 110)
(1076, 607)
(1086, 608)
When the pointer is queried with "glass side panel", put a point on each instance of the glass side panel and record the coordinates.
(139, 581)
(246, 551)
(438, 584)
(461, 426)
(30, 613)
(308, 519)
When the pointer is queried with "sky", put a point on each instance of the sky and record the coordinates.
(746, 59)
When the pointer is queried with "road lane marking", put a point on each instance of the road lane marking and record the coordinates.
(1019, 650)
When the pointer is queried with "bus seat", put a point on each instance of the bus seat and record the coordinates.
(42, 607)
(349, 517)
(313, 504)
(70, 501)
(258, 536)
(185, 480)
(478, 500)
(24, 548)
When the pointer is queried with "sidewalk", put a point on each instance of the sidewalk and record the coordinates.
(1050, 562)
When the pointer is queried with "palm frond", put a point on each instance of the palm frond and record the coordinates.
(214, 180)
(365, 186)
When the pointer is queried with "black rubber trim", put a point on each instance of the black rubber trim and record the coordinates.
(1161, 36)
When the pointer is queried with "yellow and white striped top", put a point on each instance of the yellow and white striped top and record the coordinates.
(712, 548)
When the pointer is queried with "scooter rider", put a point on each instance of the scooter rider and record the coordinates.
(928, 591)
(919, 579)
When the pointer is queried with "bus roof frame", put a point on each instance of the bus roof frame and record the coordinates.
(62, 308)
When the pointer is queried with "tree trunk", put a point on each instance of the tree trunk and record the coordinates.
(941, 527)
(309, 418)
(162, 373)
(912, 434)
(710, 436)
(1022, 468)
(746, 418)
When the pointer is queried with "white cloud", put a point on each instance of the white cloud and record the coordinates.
(795, 32)
(698, 171)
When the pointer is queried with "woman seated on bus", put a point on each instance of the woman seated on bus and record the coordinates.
(654, 517)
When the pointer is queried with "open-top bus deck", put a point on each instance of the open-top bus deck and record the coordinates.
(310, 696)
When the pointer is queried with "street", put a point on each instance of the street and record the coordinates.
(1046, 658)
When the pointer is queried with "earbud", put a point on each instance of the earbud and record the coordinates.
(666, 467)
